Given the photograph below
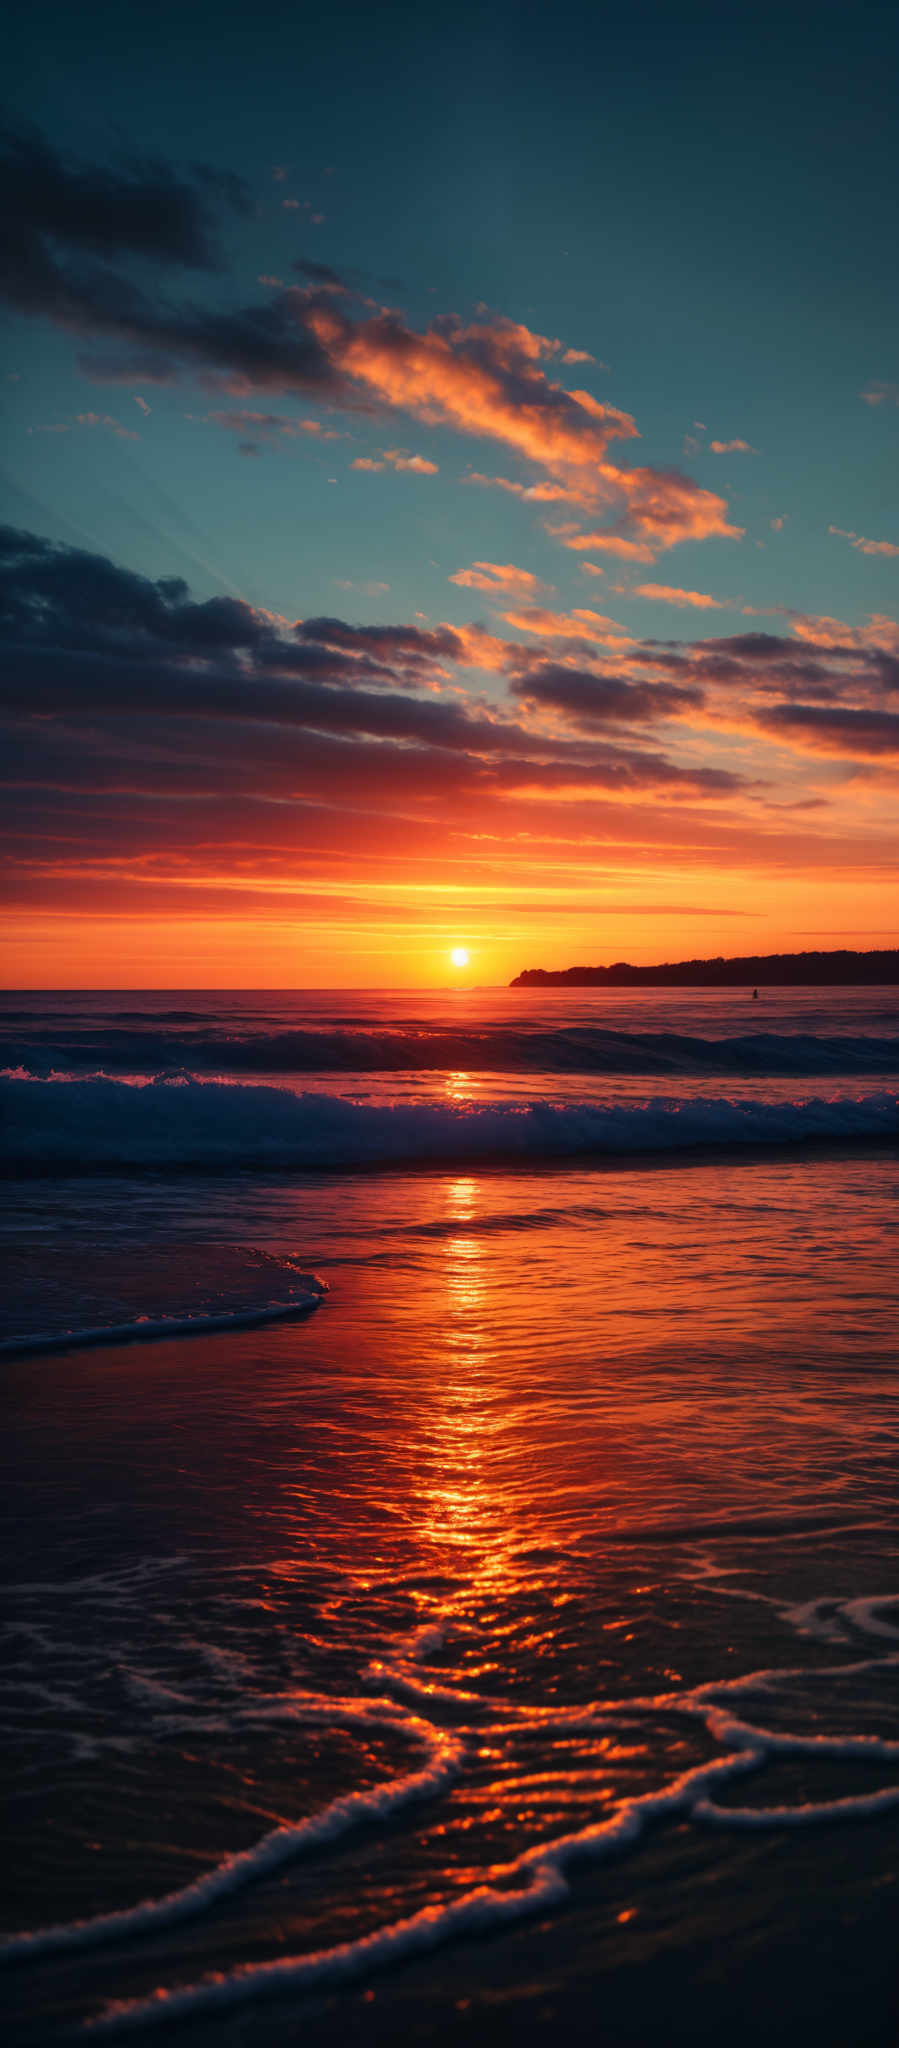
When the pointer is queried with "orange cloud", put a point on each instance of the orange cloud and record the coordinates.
(665, 593)
(576, 625)
(732, 448)
(495, 577)
(476, 648)
(665, 507)
(879, 631)
(609, 544)
(416, 463)
(540, 494)
(661, 508)
(482, 379)
(863, 546)
(365, 462)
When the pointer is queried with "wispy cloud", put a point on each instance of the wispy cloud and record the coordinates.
(580, 625)
(486, 379)
(659, 508)
(863, 546)
(120, 691)
(417, 464)
(90, 419)
(538, 493)
(498, 579)
(665, 593)
(493, 377)
(240, 419)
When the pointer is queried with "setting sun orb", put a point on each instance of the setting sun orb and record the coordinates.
(459, 956)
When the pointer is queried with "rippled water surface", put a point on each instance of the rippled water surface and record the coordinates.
(508, 1644)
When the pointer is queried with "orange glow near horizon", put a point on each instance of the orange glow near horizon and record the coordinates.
(555, 922)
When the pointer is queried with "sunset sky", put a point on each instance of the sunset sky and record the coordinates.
(449, 489)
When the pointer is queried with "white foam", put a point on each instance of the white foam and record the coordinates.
(86, 1125)
(536, 1879)
(860, 1806)
(864, 1613)
(814, 1618)
(148, 1329)
(479, 1910)
(283, 1844)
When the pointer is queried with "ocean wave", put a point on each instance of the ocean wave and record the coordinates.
(87, 1125)
(149, 1329)
(536, 1881)
(576, 1049)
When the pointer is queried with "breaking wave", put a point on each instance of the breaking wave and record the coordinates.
(95, 1123)
(192, 1045)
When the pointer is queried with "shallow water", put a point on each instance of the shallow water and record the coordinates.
(542, 1586)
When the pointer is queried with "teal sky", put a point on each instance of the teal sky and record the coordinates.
(684, 217)
(701, 198)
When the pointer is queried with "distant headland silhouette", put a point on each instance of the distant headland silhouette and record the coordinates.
(760, 970)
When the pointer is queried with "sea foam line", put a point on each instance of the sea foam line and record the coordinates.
(542, 1868)
(478, 1910)
(280, 1845)
(149, 1329)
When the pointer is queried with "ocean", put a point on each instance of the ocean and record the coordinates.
(451, 1476)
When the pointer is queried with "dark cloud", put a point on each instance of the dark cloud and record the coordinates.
(114, 682)
(65, 225)
(848, 731)
(66, 597)
(74, 686)
(259, 347)
(81, 688)
(140, 208)
(886, 667)
(767, 664)
(62, 224)
(320, 274)
(384, 762)
(589, 700)
(388, 643)
(753, 647)
(128, 368)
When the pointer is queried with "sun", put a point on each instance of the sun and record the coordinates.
(459, 956)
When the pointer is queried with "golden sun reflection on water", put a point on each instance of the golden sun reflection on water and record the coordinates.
(462, 1087)
(464, 1511)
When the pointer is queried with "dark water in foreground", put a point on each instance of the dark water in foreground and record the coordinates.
(508, 1646)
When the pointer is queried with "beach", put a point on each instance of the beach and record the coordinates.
(472, 1606)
